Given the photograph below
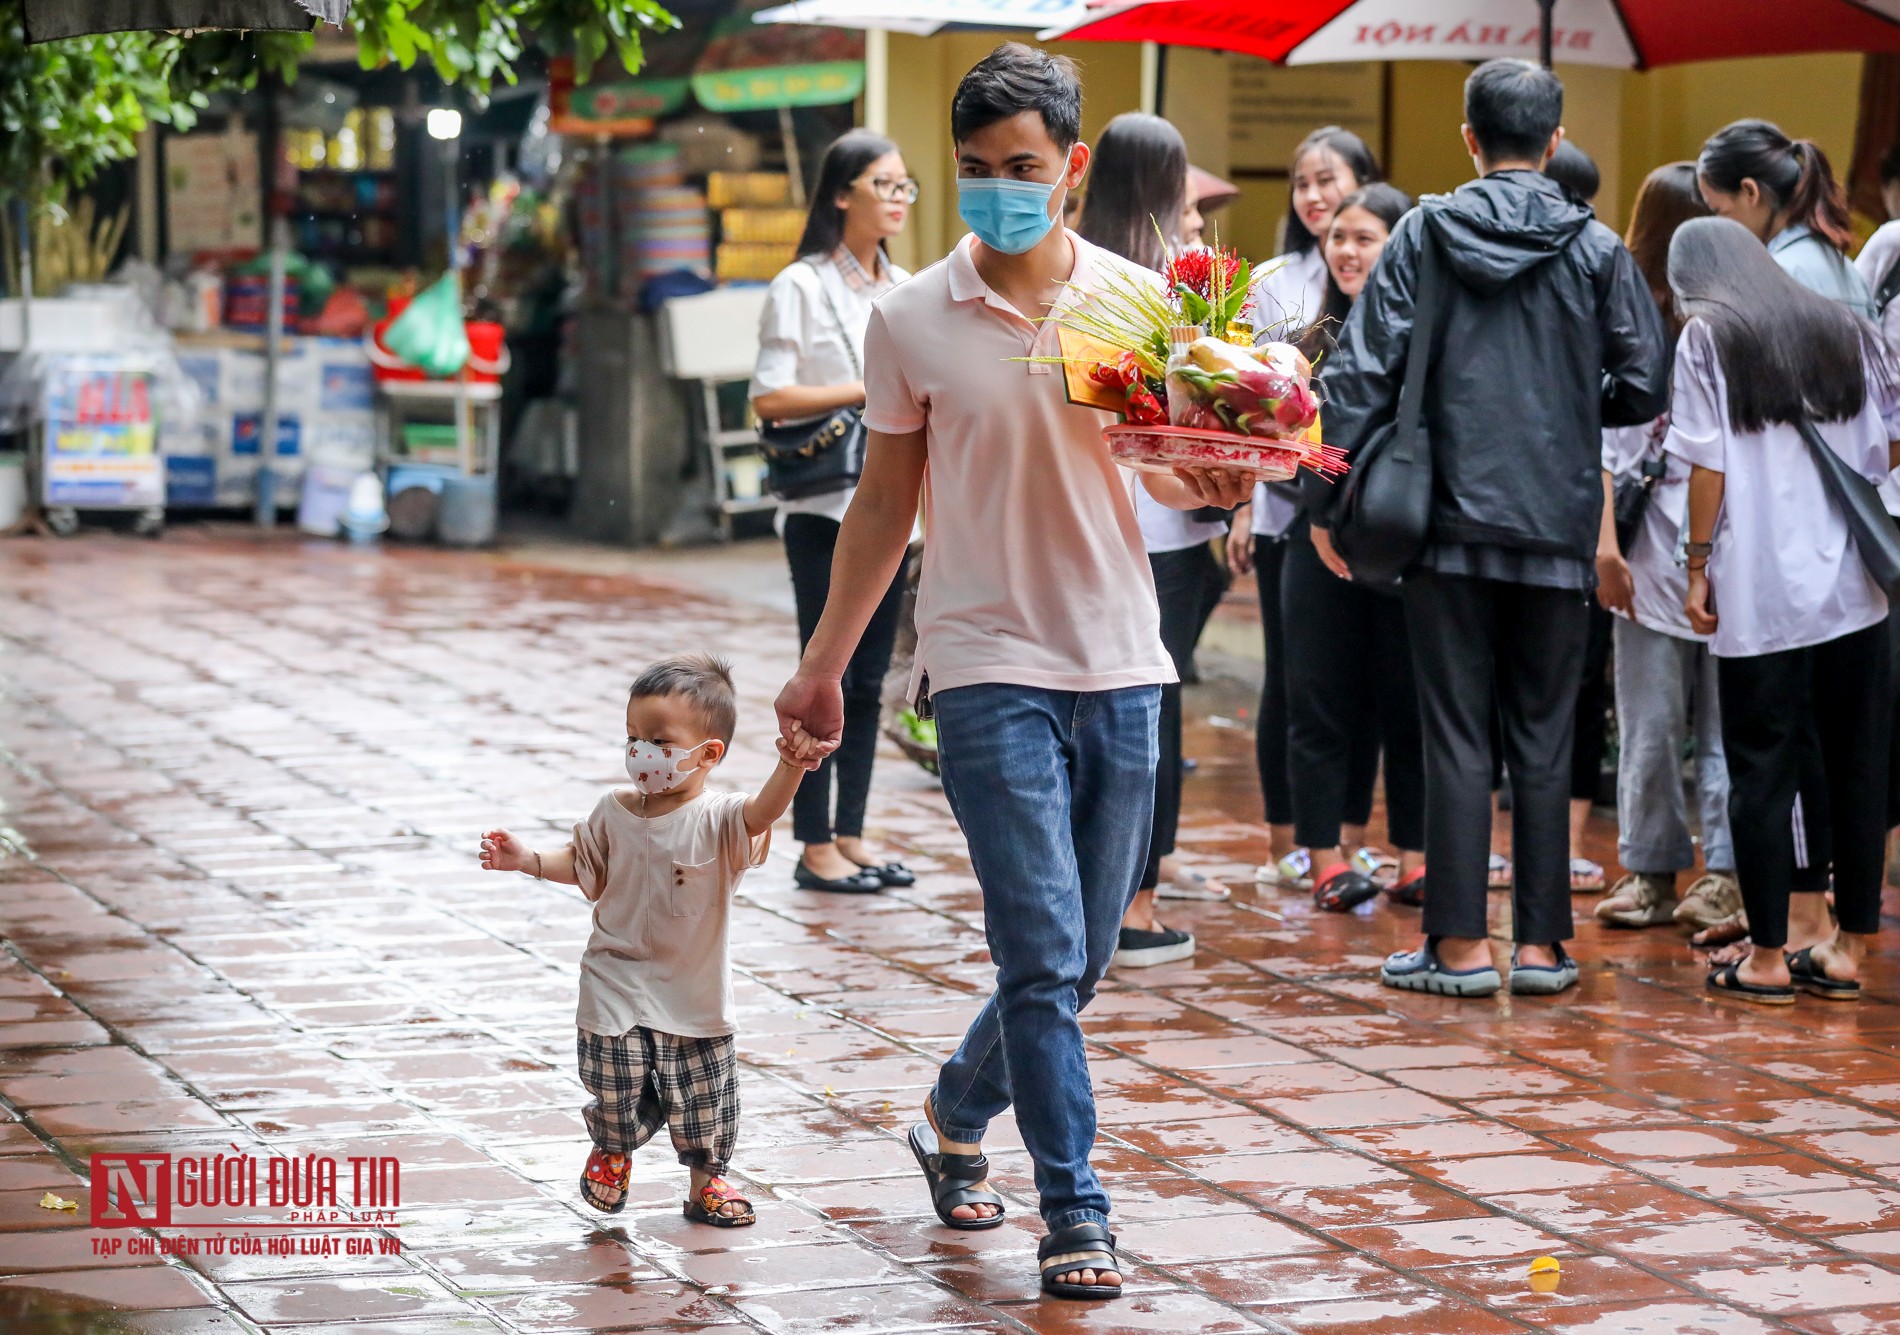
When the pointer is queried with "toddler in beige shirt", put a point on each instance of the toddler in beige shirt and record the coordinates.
(660, 865)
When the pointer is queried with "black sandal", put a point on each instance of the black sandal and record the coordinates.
(1728, 981)
(1812, 978)
(953, 1180)
(1342, 889)
(1085, 1246)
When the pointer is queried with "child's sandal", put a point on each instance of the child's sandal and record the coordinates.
(604, 1181)
(705, 1207)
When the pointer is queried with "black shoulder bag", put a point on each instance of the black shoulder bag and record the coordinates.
(1889, 289)
(1867, 519)
(1630, 496)
(1385, 503)
(817, 458)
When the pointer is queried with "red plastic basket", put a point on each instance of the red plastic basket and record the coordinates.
(487, 350)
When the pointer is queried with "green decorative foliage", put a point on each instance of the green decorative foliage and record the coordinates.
(474, 42)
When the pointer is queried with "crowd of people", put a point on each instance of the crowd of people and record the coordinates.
(1673, 449)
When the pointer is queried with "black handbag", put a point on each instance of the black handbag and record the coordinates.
(1867, 519)
(1630, 499)
(817, 458)
(1385, 503)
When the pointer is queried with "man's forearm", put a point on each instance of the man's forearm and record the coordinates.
(1607, 544)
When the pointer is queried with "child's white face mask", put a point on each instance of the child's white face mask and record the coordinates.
(657, 769)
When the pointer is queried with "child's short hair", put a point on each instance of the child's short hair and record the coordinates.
(704, 679)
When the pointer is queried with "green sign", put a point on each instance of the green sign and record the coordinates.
(635, 99)
(772, 86)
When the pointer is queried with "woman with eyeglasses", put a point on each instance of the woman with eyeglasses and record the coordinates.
(811, 364)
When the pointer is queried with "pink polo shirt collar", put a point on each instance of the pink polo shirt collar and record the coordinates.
(966, 284)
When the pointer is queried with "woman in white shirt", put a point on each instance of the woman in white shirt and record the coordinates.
(1329, 164)
(1795, 621)
(1664, 672)
(1139, 207)
(811, 359)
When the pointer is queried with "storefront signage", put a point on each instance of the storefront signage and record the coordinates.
(101, 437)
(773, 86)
(638, 98)
(1587, 32)
(1271, 108)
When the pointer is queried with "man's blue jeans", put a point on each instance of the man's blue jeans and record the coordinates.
(1055, 794)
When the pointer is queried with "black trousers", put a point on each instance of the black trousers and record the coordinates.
(1593, 702)
(1271, 727)
(1348, 664)
(1181, 582)
(810, 541)
(1780, 711)
(1481, 646)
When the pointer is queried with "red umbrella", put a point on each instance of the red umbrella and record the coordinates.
(1630, 34)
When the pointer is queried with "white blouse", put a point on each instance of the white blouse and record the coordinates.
(1286, 300)
(1661, 585)
(801, 342)
(1784, 573)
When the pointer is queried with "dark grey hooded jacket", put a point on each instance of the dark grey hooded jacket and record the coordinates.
(1547, 334)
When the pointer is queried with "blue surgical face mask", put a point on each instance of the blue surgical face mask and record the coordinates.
(1007, 216)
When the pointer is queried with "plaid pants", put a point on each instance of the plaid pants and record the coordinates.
(644, 1079)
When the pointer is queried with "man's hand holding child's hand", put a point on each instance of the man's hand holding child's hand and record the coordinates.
(501, 851)
(808, 753)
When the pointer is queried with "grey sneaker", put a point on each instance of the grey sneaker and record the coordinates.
(1642, 900)
(1542, 980)
(1711, 899)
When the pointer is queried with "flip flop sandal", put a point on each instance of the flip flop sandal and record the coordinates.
(1341, 889)
(1185, 884)
(1498, 874)
(1811, 978)
(704, 1208)
(1409, 890)
(1078, 1247)
(1292, 872)
(1728, 981)
(604, 1181)
(1589, 873)
(1378, 864)
(954, 1180)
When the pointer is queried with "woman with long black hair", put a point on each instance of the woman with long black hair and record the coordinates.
(1784, 191)
(1664, 672)
(1795, 621)
(1137, 207)
(811, 363)
(1348, 659)
(1328, 165)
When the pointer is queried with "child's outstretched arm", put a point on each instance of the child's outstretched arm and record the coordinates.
(771, 801)
(501, 851)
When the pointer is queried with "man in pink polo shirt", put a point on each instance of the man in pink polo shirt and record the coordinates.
(1038, 638)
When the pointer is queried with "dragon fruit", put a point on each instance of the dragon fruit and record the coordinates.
(1219, 386)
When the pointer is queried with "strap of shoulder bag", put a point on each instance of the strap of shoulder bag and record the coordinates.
(844, 331)
(1889, 288)
(1418, 352)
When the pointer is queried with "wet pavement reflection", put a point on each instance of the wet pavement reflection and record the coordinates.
(241, 783)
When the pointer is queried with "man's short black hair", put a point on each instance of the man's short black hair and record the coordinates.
(1890, 165)
(1513, 108)
(1013, 79)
